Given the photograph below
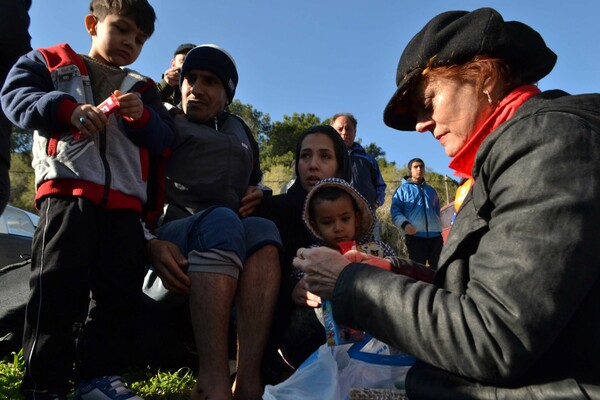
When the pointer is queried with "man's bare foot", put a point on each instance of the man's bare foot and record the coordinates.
(248, 390)
(210, 392)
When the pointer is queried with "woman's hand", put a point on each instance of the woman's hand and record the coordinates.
(321, 267)
(303, 297)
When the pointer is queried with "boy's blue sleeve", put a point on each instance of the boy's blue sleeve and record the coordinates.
(29, 98)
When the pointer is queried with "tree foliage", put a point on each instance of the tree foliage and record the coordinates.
(278, 177)
(280, 143)
(285, 134)
(259, 123)
(375, 150)
(21, 140)
(22, 181)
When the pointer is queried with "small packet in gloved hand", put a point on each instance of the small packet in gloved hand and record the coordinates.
(337, 334)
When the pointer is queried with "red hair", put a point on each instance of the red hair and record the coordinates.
(475, 71)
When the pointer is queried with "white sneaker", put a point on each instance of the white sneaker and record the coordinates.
(104, 388)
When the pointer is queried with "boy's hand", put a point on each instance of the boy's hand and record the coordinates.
(88, 118)
(131, 105)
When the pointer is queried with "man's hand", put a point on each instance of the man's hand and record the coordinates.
(303, 297)
(170, 265)
(410, 229)
(171, 76)
(250, 201)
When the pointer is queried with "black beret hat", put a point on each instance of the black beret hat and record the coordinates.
(456, 37)
(183, 48)
(215, 59)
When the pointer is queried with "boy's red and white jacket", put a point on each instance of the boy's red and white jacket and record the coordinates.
(111, 167)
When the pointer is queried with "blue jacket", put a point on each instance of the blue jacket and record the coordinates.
(366, 177)
(418, 205)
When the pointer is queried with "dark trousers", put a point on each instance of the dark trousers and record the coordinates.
(424, 250)
(87, 272)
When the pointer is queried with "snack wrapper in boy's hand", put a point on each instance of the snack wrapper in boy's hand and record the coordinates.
(360, 257)
(131, 106)
(110, 105)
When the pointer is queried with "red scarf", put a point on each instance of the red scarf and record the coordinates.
(462, 163)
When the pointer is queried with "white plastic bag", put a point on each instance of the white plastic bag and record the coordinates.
(314, 379)
(330, 372)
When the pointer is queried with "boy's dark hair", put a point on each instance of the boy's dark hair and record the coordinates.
(138, 10)
(330, 194)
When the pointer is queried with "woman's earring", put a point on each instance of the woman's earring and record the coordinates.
(487, 93)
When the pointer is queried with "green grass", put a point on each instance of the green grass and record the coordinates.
(11, 371)
(159, 385)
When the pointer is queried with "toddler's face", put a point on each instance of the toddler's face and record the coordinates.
(116, 40)
(336, 220)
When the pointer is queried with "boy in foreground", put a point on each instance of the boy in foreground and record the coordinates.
(94, 166)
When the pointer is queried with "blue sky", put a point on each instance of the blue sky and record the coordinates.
(330, 56)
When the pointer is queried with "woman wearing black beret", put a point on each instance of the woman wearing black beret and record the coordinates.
(513, 311)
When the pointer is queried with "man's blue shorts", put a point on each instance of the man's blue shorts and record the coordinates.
(216, 232)
(222, 229)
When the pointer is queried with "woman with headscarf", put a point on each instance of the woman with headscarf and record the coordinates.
(514, 308)
(320, 153)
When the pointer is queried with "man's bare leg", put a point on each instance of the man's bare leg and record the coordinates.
(211, 298)
(258, 288)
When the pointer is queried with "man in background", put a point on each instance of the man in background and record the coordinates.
(366, 176)
(168, 87)
(416, 211)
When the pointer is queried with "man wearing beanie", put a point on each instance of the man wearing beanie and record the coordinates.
(168, 87)
(209, 248)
